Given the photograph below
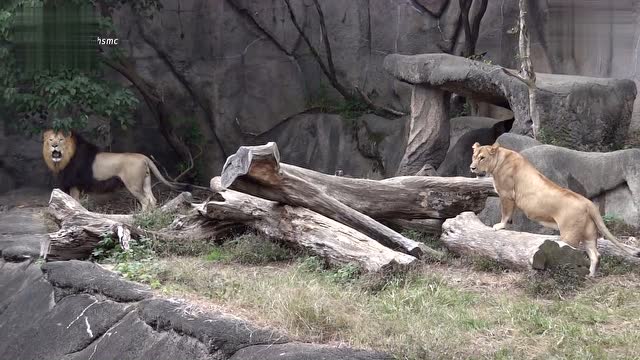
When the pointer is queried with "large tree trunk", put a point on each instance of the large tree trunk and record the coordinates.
(467, 235)
(406, 197)
(338, 244)
(256, 170)
(428, 140)
(81, 230)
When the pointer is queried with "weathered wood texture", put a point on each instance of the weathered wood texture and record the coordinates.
(256, 170)
(404, 197)
(335, 242)
(80, 229)
(467, 235)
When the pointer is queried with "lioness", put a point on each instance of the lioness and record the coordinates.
(520, 185)
(80, 166)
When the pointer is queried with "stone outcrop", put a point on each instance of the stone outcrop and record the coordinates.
(78, 310)
(578, 112)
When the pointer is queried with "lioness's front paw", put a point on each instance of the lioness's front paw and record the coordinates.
(499, 226)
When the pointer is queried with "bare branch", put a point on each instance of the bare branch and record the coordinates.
(329, 68)
(376, 108)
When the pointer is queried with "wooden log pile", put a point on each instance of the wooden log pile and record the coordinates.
(343, 220)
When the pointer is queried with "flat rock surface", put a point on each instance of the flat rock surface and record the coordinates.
(580, 112)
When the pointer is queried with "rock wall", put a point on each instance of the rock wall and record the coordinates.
(239, 70)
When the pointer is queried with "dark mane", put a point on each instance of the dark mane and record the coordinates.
(79, 172)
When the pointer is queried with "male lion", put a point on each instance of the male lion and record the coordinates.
(79, 165)
(520, 185)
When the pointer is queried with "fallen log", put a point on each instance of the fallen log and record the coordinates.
(81, 230)
(467, 235)
(338, 244)
(403, 197)
(256, 170)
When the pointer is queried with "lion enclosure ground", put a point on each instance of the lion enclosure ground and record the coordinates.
(451, 308)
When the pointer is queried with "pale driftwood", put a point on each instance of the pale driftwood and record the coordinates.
(338, 244)
(467, 235)
(428, 138)
(430, 226)
(403, 197)
(81, 230)
(256, 170)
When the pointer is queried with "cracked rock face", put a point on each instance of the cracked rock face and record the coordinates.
(78, 310)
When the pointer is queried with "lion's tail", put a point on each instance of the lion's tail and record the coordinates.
(173, 185)
(595, 215)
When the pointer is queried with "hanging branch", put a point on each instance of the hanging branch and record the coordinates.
(329, 68)
(526, 73)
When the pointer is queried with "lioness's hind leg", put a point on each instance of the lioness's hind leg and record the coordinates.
(148, 193)
(594, 256)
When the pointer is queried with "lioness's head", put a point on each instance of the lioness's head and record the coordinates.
(484, 158)
(57, 149)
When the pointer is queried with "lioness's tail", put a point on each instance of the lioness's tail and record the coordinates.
(174, 186)
(595, 215)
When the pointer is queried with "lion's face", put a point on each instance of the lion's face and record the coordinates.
(484, 158)
(55, 143)
(57, 149)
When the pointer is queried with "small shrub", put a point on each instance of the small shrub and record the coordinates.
(618, 227)
(312, 264)
(250, 249)
(615, 266)
(553, 283)
(144, 271)
(109, 250)
(153, 220)
(345, 274)
(486, 264)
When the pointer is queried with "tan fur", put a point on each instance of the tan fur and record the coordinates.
(51, 141)
(132, 168)
(520, 185)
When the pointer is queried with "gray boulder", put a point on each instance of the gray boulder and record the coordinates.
(463, 124)
(458, 159)
(576, 111)
(611, 180)
(516, 142)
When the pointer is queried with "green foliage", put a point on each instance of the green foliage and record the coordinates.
(349, 109)
(153, 220)
(610, 265)
(144, 271)
(188, 130)
(250, 249)
(109, 250)
(554, 283)
(486, 264)
(618, 227)
(69, 96)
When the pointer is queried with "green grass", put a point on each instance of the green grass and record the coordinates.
(419, 314)
(153, 220)
(453, 308)
(250, 249)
